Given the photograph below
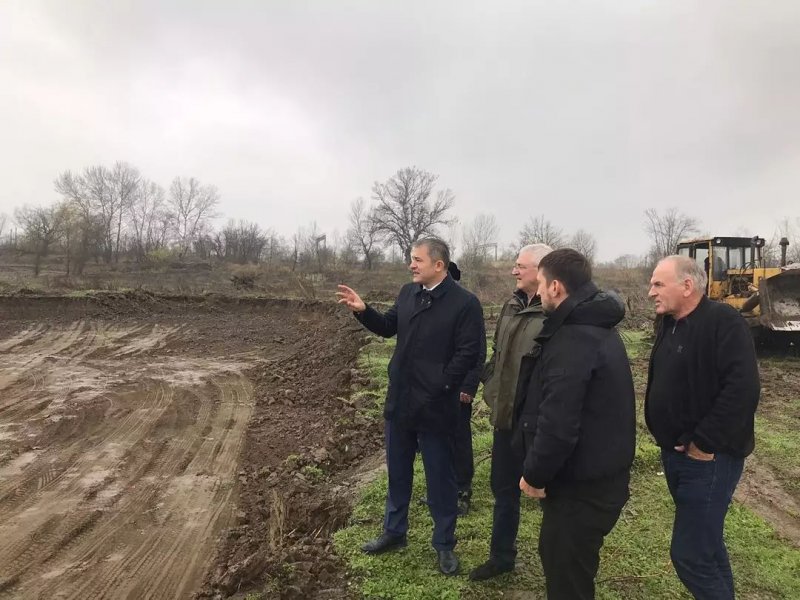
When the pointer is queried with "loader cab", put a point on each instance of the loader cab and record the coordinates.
(729, 262)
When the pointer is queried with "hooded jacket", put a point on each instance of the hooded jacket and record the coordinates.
(575, 407)
(517, 327)
(439, 339)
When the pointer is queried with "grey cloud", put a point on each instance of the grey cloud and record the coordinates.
(587, 112)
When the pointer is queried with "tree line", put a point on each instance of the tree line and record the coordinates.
(106, 214)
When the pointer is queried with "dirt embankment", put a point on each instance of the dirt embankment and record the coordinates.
(163, 447)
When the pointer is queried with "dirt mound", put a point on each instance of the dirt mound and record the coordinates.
(303, 435)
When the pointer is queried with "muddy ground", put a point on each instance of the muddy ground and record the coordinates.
(174, 447)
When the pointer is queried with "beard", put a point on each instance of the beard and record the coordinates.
(547, 306)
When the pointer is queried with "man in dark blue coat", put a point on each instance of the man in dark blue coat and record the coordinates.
(439, 328)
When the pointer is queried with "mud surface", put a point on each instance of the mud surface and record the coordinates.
(173, 447)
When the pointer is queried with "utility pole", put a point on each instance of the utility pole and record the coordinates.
(324, 239)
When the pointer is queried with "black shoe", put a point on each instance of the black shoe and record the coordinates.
(490, 569)
(384, 543)
(448, 562)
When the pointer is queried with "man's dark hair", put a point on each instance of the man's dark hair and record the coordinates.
(568, 266)
(437, 249)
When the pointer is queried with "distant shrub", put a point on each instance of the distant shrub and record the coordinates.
(158, 258)
(244, 277)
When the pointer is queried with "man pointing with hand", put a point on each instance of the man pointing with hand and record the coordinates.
(439, 328)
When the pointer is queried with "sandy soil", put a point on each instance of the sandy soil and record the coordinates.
(132, 431)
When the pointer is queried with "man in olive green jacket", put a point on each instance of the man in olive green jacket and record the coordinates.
(519, 323)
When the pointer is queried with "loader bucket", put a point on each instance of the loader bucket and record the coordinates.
(780, 300)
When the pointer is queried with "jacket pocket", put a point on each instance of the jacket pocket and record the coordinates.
(431, 380)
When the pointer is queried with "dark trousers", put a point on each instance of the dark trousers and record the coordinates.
(437, 458)
(702, 491)
(462, 450)
(574, 523)
(505, 475)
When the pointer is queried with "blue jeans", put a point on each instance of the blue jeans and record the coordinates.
(702, 491)
(437, 458)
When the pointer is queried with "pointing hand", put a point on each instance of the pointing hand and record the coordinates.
(349, 298)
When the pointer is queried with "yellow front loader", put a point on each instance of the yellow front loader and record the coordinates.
(768, 297)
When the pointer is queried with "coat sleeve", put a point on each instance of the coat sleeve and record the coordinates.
(467, 347)
(382, 324)
(488, 369)
(737, 368)
(565, 374)
(473, 378)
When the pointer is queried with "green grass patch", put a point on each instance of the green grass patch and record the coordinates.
(637, 342)
(778, 445)
(635, 562)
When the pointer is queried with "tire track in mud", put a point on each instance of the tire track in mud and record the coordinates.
(122, 492)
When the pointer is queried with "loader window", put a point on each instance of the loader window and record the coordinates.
(735, 258)
(701, 256)
(720, 268)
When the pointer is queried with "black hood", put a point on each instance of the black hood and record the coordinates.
(604, 309)
(587, 306)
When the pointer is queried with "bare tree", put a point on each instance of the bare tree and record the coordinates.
(478, 236)
(275, 248)
(71, 232)
(628, 261)
(42, 227)
(243, 241)
(665, 231)
(98, 204)
(364, 231)
(148, 218)
(192, 206)
(585, 243)
(405, 210)
(295, 246)
(539, 230)
(123, 185)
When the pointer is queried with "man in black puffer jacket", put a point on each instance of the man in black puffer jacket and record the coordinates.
(575, 415)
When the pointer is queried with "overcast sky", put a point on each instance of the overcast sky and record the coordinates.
(586, 112)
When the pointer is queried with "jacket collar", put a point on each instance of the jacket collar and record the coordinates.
(441, 289)
(701, 307)
(535, 304)
(559, 315)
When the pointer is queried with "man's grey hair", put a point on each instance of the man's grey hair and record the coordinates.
(537, 251)
(437, 249)
(689, 268)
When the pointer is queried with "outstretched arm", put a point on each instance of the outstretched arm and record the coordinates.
(384, 325)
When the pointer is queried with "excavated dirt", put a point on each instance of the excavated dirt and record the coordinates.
(159, 447)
